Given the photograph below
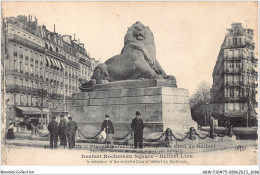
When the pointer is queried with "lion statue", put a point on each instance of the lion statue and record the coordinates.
(136, 61)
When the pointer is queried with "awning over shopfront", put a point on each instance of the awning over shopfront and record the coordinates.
(32, 110)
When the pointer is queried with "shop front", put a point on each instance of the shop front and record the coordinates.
(32, 115)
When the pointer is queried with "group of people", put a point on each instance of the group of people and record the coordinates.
(68, 130)
(137, 126)
(64, 130)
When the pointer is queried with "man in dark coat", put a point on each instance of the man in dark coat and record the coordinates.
(53, 129)
(71, 132)
(62, 130)
(138, 127)
(108, 127)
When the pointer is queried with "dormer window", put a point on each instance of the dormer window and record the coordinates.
(235, 29)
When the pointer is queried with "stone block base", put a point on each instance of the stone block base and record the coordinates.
(161, 107)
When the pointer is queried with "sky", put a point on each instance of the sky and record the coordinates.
(188, 35)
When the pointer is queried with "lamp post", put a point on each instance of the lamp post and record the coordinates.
(207, 115)
(54, 98)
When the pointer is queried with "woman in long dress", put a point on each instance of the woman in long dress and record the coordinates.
(108, 127)
(10, 131)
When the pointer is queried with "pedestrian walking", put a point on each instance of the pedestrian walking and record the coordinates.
(138, 127)
(62, 131)
(53, 129)
(71, 132)
(108, 127)
(10, 131)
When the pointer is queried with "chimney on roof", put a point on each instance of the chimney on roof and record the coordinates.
(54, 28)
(74, 38)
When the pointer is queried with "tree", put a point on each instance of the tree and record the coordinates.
(199, 100)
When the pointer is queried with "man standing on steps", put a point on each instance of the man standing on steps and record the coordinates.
(138, 127)
(71, 132)
(53, 129)
(62, 131)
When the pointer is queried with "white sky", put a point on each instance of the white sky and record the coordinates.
(188, 35)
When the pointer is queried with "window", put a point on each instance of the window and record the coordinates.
(31, 69)
(40, 71)
(21, 82)
(21, 66)
(235, 41)
(236, 53)
(15, 54)
(15, 80)
(235, 29)
(26, 67)
(21, 100)
(15, 65)
(36, 70)
(231, 93)
(15, 99)
(231, 54)
(240, 41)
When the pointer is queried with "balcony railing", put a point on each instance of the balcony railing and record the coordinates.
(84, 61)
(247, 44)
(26, 42)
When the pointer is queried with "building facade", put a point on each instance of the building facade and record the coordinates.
(42, 70)
(235, 77)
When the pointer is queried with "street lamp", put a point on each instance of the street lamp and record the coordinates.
(207, 114)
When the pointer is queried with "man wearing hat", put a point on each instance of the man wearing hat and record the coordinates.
(62, 130)
(71, 132)
(108, 127)
(53, 129)
(138, 127)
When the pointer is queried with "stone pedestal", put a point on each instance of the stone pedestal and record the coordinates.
(161, 104)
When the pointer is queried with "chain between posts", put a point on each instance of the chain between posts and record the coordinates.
(191, 135)
(95, 136)
(41, 134)
(155, 140)
(121, 138)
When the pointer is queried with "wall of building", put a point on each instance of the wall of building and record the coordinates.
(43, 68)
(234, 75)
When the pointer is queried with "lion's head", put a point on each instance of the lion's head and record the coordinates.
(139, 32)
(141, 35)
